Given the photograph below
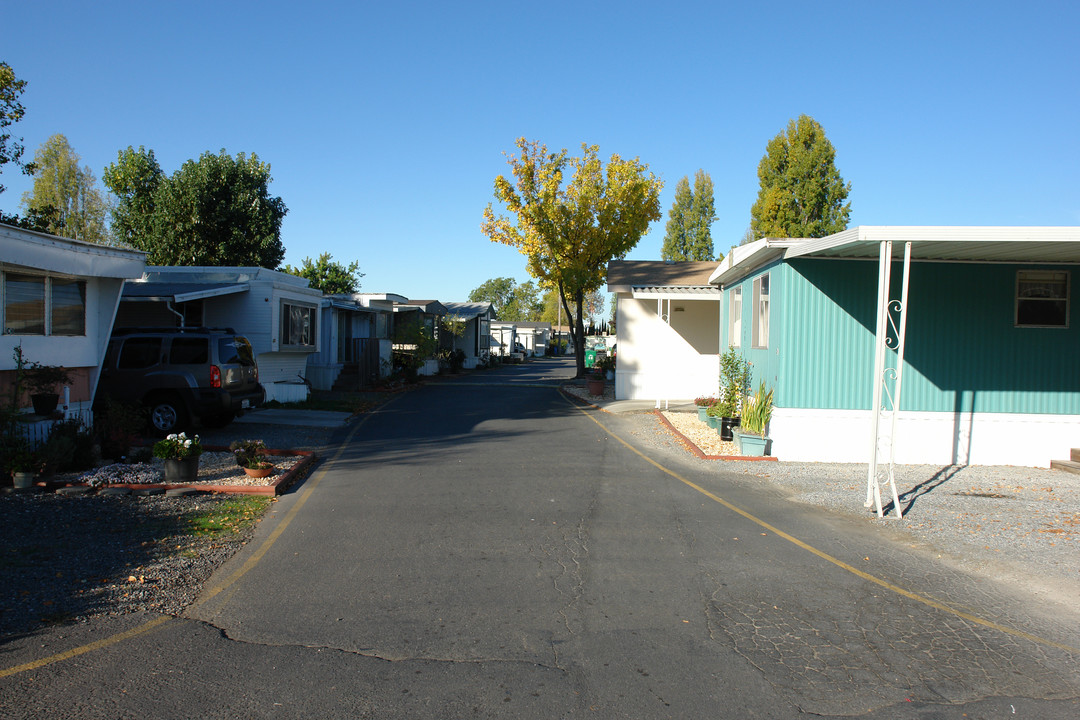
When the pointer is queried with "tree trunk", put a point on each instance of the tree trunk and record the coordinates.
(577, 328)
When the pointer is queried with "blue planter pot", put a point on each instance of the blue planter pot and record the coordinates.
(751, 445)
(701, 413)
(714, 422)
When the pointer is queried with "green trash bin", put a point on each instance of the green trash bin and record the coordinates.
(590, 358)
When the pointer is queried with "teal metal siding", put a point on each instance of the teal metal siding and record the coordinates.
(962, 352)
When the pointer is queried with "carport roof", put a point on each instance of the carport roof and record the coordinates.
(928, 243)
(179, 291)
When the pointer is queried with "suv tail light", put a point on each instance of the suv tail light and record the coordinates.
(215, 376)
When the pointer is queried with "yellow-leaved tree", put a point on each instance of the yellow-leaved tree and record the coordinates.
(569, 233)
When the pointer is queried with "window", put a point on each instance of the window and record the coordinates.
(236, 351)
(24, 305)
(735, 317)
(68, 307)
(1042, 298)
(761, 312)
(297, 326)
(139, 353)
(37, 305)
(189, 351)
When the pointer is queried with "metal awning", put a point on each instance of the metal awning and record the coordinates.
(178, 292)
(668, 292)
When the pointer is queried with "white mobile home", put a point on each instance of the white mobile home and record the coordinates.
(59, 300)
(276, 311)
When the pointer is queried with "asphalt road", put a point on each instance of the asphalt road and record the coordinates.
(485, 548)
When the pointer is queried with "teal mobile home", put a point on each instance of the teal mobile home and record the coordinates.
(968, 333)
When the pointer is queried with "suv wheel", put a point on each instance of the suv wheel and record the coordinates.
(167, 414)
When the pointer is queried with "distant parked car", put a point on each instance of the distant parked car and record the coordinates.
(208, 375)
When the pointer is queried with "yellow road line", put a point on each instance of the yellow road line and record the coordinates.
(213, 592)
(827, 557)
(97, 645)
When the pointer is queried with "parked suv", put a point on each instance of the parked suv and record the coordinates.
(182, 374)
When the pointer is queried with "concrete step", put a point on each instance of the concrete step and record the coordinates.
(1075, 455)
(1067, 465)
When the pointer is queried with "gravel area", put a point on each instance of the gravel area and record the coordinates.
(1016, 523)
(68, 559)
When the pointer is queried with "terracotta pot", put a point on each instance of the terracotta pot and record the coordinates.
(596, 387)
(259, 472)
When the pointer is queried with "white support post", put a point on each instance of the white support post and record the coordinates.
(901, 336)
(873, 493)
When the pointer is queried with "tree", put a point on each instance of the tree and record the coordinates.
(11, 111)
(512, 302)
(569, 234)
(689, 226)
(802, 193)
(328, 276)
(66, 196)
(134, 179)
(213, 211)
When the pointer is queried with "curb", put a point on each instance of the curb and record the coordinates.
(695, 450)
(280, 485)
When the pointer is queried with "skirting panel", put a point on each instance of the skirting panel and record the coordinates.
(926, 438)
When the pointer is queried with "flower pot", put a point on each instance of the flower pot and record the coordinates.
(713, 421)
(44, 403)
(596, 387)
(22, 480)
(701, 413)
(259, 472)
(725, 427)
(751, 445)
(609, 374)
(181, 471)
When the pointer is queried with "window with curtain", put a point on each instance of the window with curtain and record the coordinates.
(24, 304)
(761, 312)
(1042, 298)
(68, 307)
(297, 326)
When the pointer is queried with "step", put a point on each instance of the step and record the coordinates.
(1075, 455)
(1067, 465)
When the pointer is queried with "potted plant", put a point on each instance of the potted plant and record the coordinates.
(735, 384)
(703, 405)
(727, 416)
(251, 455)
(755, 420)
(181, 456)
(43, 382)
(607, 366)
(713, 413)
(595, 383)
(23, 461)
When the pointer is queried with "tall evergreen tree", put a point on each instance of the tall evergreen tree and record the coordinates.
(689, 226)
(66, 196)
(802, 193)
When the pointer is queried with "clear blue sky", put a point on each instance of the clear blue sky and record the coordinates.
(386, 123)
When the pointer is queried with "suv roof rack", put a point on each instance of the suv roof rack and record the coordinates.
(203, 330)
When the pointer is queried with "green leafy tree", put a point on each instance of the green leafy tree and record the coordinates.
(569, 233)
(512, 302)
(66, 196)
(134, 179)
(11, 111)
(216, 210)
(802, 193)
(328, 276)
(689, 226)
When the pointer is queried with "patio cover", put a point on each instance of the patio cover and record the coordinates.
(179, 292)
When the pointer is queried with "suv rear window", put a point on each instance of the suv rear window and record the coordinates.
(139, 353)
(236, 351)
(189, 351)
